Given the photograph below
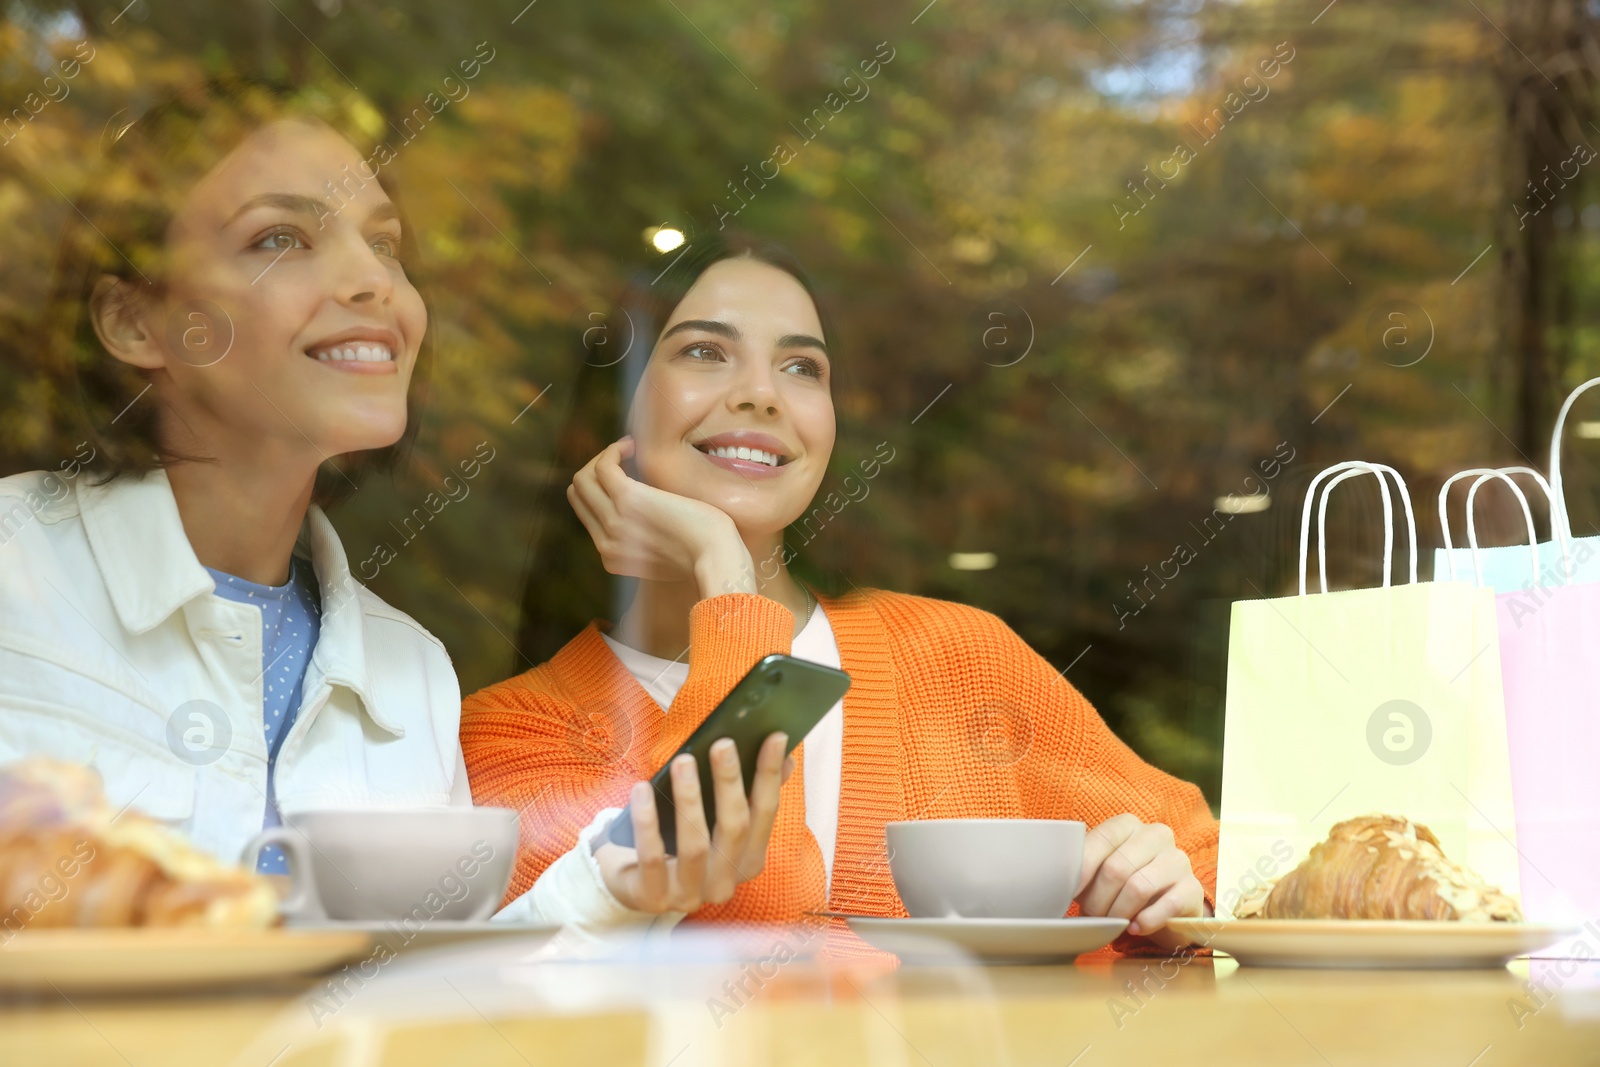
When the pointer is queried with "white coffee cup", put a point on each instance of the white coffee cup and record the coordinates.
(986, 868)
(423, 865)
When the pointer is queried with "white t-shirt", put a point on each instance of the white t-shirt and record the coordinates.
(571, 889)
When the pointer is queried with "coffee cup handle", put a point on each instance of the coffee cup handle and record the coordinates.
(302, 902)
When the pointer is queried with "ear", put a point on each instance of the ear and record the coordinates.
(120, 314)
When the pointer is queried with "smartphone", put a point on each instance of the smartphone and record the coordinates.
(780, 694)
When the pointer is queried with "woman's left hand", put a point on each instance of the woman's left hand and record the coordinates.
(1134, 870)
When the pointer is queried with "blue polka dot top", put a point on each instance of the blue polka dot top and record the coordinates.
(290, 620)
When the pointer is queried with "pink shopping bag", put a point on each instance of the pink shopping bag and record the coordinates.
(1549, 636)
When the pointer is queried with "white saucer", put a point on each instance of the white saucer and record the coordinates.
(1370, 943)
(401, 937)
(989, 940)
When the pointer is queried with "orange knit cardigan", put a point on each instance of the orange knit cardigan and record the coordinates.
(949, 715)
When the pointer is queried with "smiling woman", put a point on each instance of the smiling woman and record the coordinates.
(729, 428)
(163, 269)
(243, 355)
(623, 360)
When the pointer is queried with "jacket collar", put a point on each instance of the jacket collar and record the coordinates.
(150, 571)
(341, 652)
(137, 538)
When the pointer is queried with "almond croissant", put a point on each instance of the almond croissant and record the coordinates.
(1379, 867)
(67, 859)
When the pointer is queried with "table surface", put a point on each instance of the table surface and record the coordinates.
(487, 1007)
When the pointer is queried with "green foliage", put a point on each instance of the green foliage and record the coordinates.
(993, 151)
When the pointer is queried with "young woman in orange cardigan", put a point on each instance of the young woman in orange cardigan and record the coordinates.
(728, 434)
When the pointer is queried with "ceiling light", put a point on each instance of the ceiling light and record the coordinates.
(1232, 504)
(973, 561)
(664, 238)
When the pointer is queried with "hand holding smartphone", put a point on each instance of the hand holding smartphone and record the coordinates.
(780, 694)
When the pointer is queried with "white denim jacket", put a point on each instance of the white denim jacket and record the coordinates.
(115, 651)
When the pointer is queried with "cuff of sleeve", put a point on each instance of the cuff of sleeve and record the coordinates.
(571, 891)
(727, 635)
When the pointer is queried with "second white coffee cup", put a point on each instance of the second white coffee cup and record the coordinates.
(986, 868)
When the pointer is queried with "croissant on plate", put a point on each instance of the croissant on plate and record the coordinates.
(1379, 867)
(68, 859)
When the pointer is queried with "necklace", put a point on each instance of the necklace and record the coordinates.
(810, 603)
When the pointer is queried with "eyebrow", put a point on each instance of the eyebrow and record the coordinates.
(308, 205)
(723, 329)
(802, 340)
(304, 205)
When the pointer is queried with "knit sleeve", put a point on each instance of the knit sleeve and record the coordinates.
(529, 745)
(1026, 741)
(728, 634)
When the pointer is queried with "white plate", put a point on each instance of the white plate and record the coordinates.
(400, 938)
(990, 940)
(1367, 943)
(151, 959)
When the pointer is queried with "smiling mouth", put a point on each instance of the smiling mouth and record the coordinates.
(750, 455)
(352, 352)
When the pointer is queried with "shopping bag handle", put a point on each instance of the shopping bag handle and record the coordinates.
(1472, 531)
(1341, 472)
(1503, 473)
(1558, 489)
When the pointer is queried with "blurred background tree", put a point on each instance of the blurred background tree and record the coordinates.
(1113, 278)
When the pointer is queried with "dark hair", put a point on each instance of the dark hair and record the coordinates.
(118, 227)
(567, 585)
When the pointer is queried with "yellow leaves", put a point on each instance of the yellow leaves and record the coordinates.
(445, 246)
(816, 172)
(521, 134)
(1458, 41)
(366, 117)
(114, 67)
(1144, 371)
(14, 202)
(848, 229)
(1093, 485)
(902, 141)
(27, 426)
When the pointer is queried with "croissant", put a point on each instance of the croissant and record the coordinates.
(68, 859)
(1379, 867)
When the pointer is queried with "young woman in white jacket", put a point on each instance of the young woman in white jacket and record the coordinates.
(233, 311)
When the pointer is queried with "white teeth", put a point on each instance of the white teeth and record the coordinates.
(364, 353)
(754, 455)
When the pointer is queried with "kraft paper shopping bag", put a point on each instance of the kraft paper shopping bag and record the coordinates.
(1361, 701)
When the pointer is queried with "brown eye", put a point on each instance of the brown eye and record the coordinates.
(806, 367)
(704, 353)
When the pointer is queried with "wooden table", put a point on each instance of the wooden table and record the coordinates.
(488, 1011)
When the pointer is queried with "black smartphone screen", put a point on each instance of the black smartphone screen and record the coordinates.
(779, 694)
